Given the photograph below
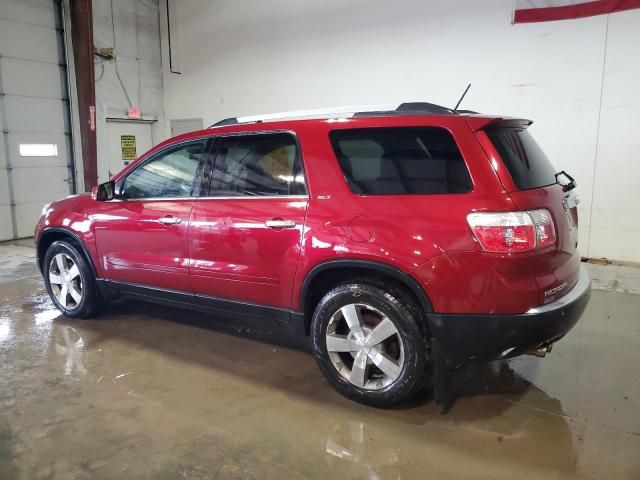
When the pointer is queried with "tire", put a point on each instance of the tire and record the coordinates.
(338, 347)
(81, 299)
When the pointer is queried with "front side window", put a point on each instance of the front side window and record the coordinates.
(258, 165)
(401, 160)
(169, 174)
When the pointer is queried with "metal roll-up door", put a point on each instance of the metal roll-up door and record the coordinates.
(36, 158)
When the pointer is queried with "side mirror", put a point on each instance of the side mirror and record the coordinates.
(105, 191)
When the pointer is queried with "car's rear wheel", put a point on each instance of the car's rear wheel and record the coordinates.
(369, 342)
(69, 280)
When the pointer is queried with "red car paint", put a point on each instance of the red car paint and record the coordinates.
(223, 249)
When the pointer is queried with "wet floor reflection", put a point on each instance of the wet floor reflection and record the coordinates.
(149, 392)
(350, 444)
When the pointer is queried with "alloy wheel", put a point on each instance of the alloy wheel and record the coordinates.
(65, 280)
(364, 346)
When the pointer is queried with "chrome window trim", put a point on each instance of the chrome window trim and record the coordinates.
(221, 197)
(153, 199)
(254, 197)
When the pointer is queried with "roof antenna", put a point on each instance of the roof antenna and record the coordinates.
(455, 109)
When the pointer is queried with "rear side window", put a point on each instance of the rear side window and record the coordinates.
(401, 161)
(528, 165)
(258, 165)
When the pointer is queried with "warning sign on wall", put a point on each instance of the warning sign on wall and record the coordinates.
(128, 146)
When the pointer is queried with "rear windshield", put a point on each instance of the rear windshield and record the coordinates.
(528, 165)
(401, 160)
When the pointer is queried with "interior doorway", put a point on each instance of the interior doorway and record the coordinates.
(126, 141)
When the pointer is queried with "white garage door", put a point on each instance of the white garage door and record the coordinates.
(36, 164)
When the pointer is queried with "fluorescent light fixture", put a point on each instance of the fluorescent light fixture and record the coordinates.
(38, 150)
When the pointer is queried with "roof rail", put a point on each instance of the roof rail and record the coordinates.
(353, 111)
(226, 121)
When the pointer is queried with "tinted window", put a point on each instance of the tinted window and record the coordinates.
(528, 165)
(261, 164)
(407, 160)
(170, 173)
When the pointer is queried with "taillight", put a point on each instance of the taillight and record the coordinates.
(545, 230)
(510, 232)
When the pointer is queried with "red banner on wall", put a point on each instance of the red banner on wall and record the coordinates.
(529, 11)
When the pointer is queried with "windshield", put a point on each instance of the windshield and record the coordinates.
(527, 163)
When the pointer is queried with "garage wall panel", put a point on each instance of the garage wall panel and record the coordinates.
(33, 185)
(25, 212)
(4, 190)
(39, 163)
(3, 160)
(149, 77)
(29, 78)
(32, 12)
(5, 200)
(21, 40)
(33, 114)
(6, 230)
(148, 27)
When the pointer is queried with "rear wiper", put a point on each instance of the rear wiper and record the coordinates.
(566, 186)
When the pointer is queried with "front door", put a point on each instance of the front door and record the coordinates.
(142, 237)
(126, 141)
(246, 235)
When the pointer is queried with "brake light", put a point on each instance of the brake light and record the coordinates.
(511, 232)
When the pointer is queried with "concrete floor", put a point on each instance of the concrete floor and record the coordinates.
(146, 392)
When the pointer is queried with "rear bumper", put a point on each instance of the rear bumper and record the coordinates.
(472, 337)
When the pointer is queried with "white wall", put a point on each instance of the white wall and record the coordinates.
(137, 49)
(577, 79)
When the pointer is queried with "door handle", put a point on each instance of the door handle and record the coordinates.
(170, 220)
(280, 223)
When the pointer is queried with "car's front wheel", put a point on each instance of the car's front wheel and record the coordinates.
(69, 280)
(369, 342)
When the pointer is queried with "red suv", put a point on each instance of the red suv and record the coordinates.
(405, 243)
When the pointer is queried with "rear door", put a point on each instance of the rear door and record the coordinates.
(530, 178)
(142, 235)
(246, 235)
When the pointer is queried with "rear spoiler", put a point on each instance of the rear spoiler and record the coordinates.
(478, 123)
